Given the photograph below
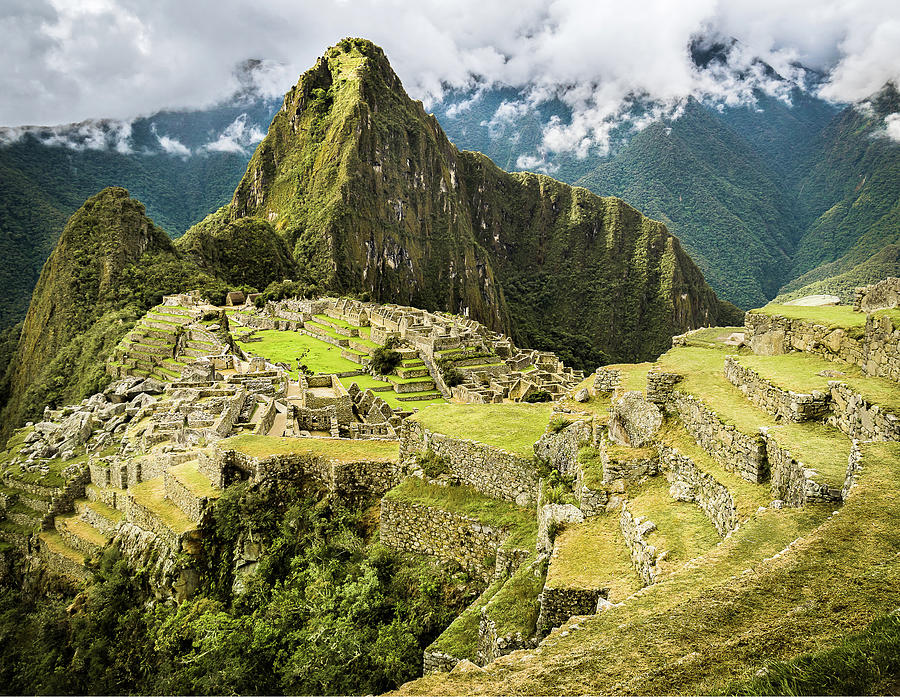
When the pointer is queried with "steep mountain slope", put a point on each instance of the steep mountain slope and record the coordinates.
(111, 263)
(182, 165)
(372, 197)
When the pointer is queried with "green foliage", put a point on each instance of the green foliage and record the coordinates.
(279, 290)
(385, 359)
(452, 376)
(432, 464)
(327, 613)
(538, 396)
(864, 663)
(559, 424)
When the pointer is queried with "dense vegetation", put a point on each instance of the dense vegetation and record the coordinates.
(327, 612)
(111, 265)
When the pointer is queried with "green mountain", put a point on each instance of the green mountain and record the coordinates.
(110, 265)
(371, 197)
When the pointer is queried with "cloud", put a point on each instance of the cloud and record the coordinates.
(88, 135)
(892, 127)
(71, 60)
(237, 137)
(169, 145)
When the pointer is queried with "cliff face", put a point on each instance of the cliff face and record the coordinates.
(111, 263)
(371, 196)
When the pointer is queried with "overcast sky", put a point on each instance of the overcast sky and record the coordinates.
(69, 60)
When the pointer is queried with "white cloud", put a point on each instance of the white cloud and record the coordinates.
(892, 127)
(88, 135)
(237, 137)
(70, 60)
(170, 145)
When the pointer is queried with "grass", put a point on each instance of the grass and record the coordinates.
(591, 555)
(820, 447)
(748, 497)
(837, 316)
(464, 500)
(591, 466)
(511, 427)
(332, 448)
(718, 620)
(196, 482)
(799, 372)
(151, 494)
(682, 529)
(460, 639)
(392, 398)
(712, 336)
(285, 347)
(515, 607)
(55, 543)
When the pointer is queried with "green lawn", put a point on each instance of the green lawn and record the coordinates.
(512, 427)
(820, 447)
(712, 336)
(285, 347)
(634, 375)
(682, 529)
(799, 372)
(465, 500)
(343, 450)
(841, 316)
(593, 554)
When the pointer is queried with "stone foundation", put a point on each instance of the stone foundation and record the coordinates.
(856, 417)
(780, 403)
(560, 604)
(645, 557)
(492, 471)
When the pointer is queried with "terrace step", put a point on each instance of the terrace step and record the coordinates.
(99, 515)
(61, 557)
(80, 535)
(415, 372)
(190, 489)
(110, 496)
(148, 508)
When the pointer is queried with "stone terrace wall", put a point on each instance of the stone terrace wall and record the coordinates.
(558, 605)
(437, 662)
(792, 481)
(591, 501)
(607, 380)
(741, 453)
(492, 471)
(561, 448)
(782, 404)
(689, 483)
(644, 556)
(625, 465)
(877, 352)
(660, 386)
(417, 528)
(879, 296)
(854, 466)
(856, 417)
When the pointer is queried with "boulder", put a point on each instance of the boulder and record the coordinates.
(633, 421)
(582, 395)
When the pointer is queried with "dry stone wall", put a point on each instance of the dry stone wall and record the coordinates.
(879, 296)
(558, 605)
(780, 403)
(877, 351)
(660, 386)
(739, 452)
(792, 481)
(412, 527)
(687, 482)
(856, 417)
(561, 448)
(492, 471)
(645, 557)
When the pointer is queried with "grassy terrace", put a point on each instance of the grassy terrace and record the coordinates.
(593, 554)
(342, 450)
(515, 607)
(366, 382)
(152, 496)
(834, 581)
(748, 497)
(196, 482)
(285, 347)
(712, 336)
(464, 500)
(634, 375)
(837, 316)
(682, 529)
(512, 427)
(799, 372)
(460, 639)
(820, 447)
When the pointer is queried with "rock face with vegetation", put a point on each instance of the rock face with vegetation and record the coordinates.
(371, 197)
(111, 263)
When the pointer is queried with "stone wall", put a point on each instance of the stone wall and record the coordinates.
(592, 502)
(876, 349)
(225, 422)
(660, 386)
(607, 380)
(417, 528)
(645, 557)
(854, 466)
(879, 296)
(856, 417)
(561, 447)
(792, 481)
(687, 482)
(63, 500)
(492, 471)
(560, 604)
(739, 452)
(780, 403)
(628, 464)
(437, 662)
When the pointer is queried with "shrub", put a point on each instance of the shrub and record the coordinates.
(452, 376)
(559, 424)
(385, 359)
(432, 464)
(538, 396)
